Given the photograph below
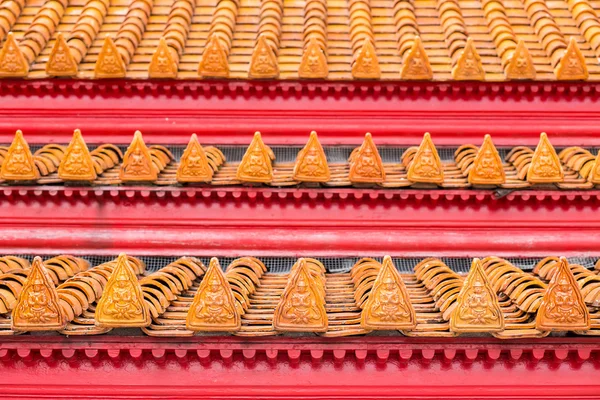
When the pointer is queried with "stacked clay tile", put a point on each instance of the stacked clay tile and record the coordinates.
(547, 30)
(223, 23)
(453, 24)
(271, 14)
(178, 26)
(406, 25)
(587, 21)
(9, 12)
(133, 28)
(86, 28)
(361, 28)
(500, 29)
(42, 28)
(315, 23)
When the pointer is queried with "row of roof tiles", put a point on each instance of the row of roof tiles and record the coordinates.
(473, 166)
(63, 294)
(315, 39)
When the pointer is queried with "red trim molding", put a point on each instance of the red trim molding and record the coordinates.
(212, 367)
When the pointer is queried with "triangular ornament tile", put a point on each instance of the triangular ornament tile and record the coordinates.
(300, 307)
(572, 65)
(61, 62)
(38, 307)
(314, 62)
(263, 64)
(416, 64)
(19, 164)
(545, 165)
(162, 65)
(137, 162)
(366, 165)
(13, 63)
(109, 63)
(563, 307)
(122, 303)
(388, 306)
(426, 166)
(477, 307)
(213, 307)
(487, 167)
(194, 166)
(366, 64)
(469, 67)
(311, 163)
(521, 66)
(256, 163)
(77, 163)
(214, 60)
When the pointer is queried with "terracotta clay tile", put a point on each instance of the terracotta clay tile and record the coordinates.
(311, 163)
(9, 12)
(163, 64)
(487, 166)
(213, 63)
(137, 163)
(263, 64)
(19, 164)
(194, 165)
(365, 163)
(416, 63)
(135, 22)
(426, 166)
(406, 26)
(572, 64)
(256, 163)
(546, 29)
(77, 163)
(177, 29)
(545, 165)
(12, 61)
(314, 58)
(87, 27)
(109, 63)
(521, 65)
(61, 62)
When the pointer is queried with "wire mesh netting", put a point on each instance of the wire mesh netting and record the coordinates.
(280, 265)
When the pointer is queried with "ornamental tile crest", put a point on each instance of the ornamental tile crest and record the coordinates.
(19, 164)
(256, 163)
(77, 163)
(468, 66)
(194, 166)
(521, 64)
(366, 65)
(314, 62)
(545, 165)
(214, 60)
(563, 307)
(572, 65)
(109, 63)
(122, 303)
(388, 306)
(311, 163)
(477, 308)
(365, 163)
(13, 63)
(263, 64)
(426, 166)
(301, 307)
(163, 64)
(137, 162)
(487, 167)
(61, 62)
(416, 65)
(214, 308)
(38, 307)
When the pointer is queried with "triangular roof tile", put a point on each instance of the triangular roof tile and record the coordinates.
(366, 64)
(109, 63)
(263, 64)
(77, 163)
(194, 166)
(416, 64)
(366, 165)
(256, 163)
(13, 63)
(572, 65)
(521, 64)
(137, 162)
(426, 166)
(213, 63)
(61, 62)
(311, 163)
(468, 66)
(163, 64)
(487, 167)
(545, 165)
(314, 62)
(19, 164)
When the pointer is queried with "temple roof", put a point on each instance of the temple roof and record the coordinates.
(316, 39)
(425, 297)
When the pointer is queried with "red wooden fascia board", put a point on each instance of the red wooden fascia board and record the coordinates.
(397, 113)
(283, 368)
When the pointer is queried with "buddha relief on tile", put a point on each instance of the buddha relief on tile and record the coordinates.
(545, 165)
(193, 166)
(468, 67)
(109, 63)
(477, 307)
(416, 65)
(60, 61)
(19, 164)
(388, 305)
(256, 163)
(426, 166)
(521, 64)
(311, 163)
(572, 65)
(314, 62)
(137, 162)
(12, 60)
(77, 163)
(162, 65)
(487, 167)
(366, 65)
(263, 64)
(38, 307)
(563, 307)
(213, 308)
(122, 303)
(365, 164)
(213, 63)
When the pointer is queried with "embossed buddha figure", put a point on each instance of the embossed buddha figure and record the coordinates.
(426, 165)
(545, 165)
(18, 161)
(213, 307)
(416, 63)
(11, 61)
(487, 165)
(313, 63)
(76, 163)
(193, 162)
(162, 61)
(110, 63)
(60, 60)
(312, 164)
(213, 59)
(367, 61)
(389, 306)
(262, 61)
(573, 66)
(470, 63)
(477, 309)
(137, 163)
(563, 305)
(367, 163)
(257, 165)
(122, 303)
(301, 307)
(39, 306)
